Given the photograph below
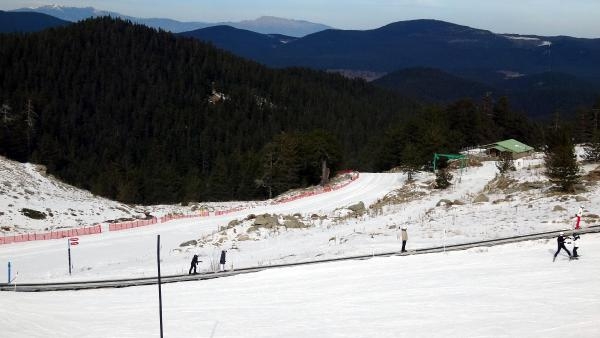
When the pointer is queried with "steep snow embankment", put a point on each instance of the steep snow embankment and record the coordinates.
(54, 205)
(31, 201)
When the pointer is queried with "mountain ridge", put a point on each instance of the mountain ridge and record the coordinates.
(27, 22)
(263, 24)
(436, 44)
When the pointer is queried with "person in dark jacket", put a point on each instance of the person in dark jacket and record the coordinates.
(193, 265)
(222, 260)
(561, 245)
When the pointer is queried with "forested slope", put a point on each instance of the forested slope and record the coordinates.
(144, 116)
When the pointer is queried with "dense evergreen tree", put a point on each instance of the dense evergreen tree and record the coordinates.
(587, 131)
(592, 149)
(442, 175)
(411, 163)
(505, 163)
(561, 162)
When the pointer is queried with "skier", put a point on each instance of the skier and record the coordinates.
(222, 260)
(193, 265)
(404, 238)
(575, 247)
(578, 216)
(561, 245)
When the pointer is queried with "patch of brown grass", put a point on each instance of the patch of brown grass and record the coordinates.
(593, 176)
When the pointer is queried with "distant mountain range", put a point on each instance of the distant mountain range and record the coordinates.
(538, 94)
(474, 53)
(438, 61)
(264, 24)
(27, 22)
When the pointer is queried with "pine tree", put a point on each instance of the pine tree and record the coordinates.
(442, 179)
(5, 114)
(561, 162)
(320, 154)
(410, 161)
(287, 165)
(266, 180)
(30, 118)
(442, 176)
(505, 162)
(592, 149)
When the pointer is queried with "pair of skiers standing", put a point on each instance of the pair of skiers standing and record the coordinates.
(560, 240)
(195, 261)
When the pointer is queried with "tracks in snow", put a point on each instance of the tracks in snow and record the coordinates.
(119, 283)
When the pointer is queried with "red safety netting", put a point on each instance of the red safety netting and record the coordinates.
(131, 224)
(154, 220)
(353, 177)
(228, 211)
(96, 229)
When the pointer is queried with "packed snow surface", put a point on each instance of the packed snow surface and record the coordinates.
(506, 291)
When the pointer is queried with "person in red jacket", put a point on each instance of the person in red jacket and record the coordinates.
(578, 216)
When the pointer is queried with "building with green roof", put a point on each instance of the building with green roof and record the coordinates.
(512, 146)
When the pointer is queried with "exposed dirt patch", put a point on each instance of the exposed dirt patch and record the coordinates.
(409, 192)
(593, 176)
(471, 162)
(500, 184)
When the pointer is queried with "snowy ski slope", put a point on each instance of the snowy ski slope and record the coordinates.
(507, 291)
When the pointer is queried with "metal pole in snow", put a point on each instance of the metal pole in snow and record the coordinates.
(444, 240)
(8, 273)
(159, 291)
(69, 251)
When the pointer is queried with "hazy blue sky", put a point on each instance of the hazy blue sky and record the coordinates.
(544, 17)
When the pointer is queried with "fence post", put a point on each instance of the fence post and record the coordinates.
(69, 251)
(159, 290)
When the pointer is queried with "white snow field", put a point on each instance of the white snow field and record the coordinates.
(505, 291)
(132, 253)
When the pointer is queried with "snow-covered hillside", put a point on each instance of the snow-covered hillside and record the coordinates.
(60, 205)
(54, 205)
(479, 205)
